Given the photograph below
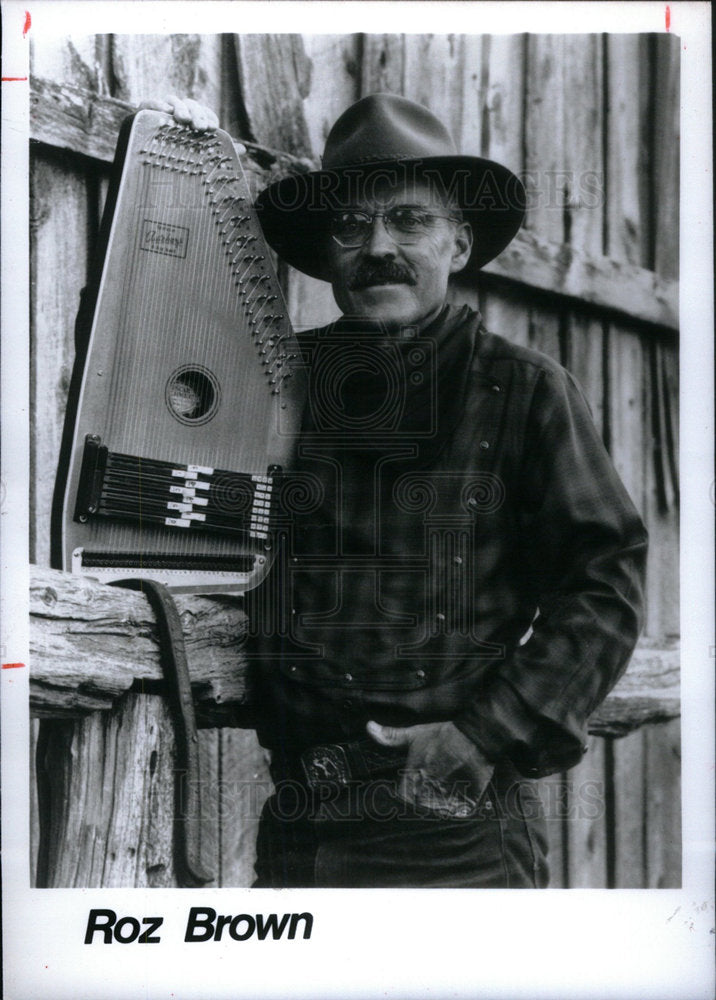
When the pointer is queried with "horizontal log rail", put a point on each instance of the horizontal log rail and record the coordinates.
(91, 643)
(86, 123)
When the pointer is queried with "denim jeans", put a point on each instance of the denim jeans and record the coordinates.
(365, 836)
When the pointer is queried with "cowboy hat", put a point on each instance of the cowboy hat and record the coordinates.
(388, 136)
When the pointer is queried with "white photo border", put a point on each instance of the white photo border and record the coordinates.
(384, 943)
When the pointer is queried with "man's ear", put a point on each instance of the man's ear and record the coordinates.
(462, 247)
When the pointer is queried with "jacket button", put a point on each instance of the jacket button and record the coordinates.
(293, 668)
(440, 616)
(484, 445)
(348, 677)
(420, 674)
(496, 388)
(458, 560)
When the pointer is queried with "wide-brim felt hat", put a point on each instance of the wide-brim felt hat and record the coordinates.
(387, 136)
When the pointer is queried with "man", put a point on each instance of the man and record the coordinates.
(461, 583)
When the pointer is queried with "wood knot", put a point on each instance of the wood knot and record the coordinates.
(49, 595)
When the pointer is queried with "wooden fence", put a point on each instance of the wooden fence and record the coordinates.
(591, 123)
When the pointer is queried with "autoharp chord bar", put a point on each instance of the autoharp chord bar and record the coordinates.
(189, 497)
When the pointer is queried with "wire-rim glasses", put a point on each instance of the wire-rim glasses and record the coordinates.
(403, 224)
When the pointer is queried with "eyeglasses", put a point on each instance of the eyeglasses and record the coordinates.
(403, 225)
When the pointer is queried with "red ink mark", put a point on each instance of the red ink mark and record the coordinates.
(13, 79)
(9, 666)
(28, 22)
(668, 18)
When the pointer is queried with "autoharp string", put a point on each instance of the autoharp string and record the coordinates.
(193, 173)
(148, 319)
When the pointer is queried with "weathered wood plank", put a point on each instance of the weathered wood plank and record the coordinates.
(587, 821)
(584, 359)
(544, 332)
(626, 76)
(627, 429)
(628, 413)
(109, 812)
(661, 491)
(34, 815)
(210, 768)
(663, 805)
(245, 786)
(75, 119)
(109, 818)
(275, 76)
(434, 69)
(665, 124)
(473, 97)
(629, 812)
(503, 69)
(158, 809)
(74, 59)
(661, 469)
(583, 184)
(91, 642)
(599, 281)
(659, 196)
(335, 83)
(505, 312)
(147, 66)
(555, 800)
(382, 64)
(544, 136)
(580, 191)
(59, 224)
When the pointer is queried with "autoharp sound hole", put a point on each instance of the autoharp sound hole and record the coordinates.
(192, 395)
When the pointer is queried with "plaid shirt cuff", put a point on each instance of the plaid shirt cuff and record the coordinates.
(502, 725)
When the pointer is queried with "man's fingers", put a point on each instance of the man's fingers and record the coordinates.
(201, 116)
(389, 736)
(185, 111)
(156, 104)
(179, 108)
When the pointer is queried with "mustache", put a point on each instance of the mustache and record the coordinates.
(380, 272)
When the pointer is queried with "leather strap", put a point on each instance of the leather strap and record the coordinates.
(187, 855)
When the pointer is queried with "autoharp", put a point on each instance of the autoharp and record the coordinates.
(188, 388)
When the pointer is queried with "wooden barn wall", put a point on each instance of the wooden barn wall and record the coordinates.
(592, 124)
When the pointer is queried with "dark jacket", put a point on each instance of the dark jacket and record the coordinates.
(462, 549)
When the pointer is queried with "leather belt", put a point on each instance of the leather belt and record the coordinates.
(340, 764)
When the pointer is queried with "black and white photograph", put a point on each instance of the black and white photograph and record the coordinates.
(358, 500)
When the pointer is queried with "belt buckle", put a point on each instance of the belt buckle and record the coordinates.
(327, 764)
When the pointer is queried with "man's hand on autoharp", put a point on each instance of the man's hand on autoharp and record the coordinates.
(185, 110)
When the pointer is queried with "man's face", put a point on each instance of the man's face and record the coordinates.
(399, 285)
